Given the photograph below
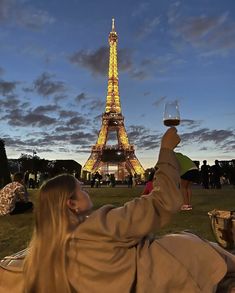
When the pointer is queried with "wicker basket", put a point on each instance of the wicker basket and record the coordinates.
(223, 227)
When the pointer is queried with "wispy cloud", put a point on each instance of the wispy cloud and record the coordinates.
(33, 19)
(21, 14)
(94, 105)
(190, 124)
(216, 136)
(143, 137)
(212, 35)
(97, 61)
(45, 86)
(148, 27)
(9, 102)
(45, 109)
(67, 113)
(80, 97)
(7, 87)
(159, 101)
(17, 118)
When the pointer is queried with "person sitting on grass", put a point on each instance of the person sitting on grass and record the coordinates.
(14, 197)
(75, 249)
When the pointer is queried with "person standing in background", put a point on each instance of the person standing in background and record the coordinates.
(205, 174)
(189, 173)
(216, 173)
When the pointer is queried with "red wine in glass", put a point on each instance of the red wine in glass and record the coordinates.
(171, 114)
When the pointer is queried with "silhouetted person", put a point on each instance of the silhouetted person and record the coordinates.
(205, 174)
(26, 178)
(97, 177)
(92, 180)
(130, 181)
(216, 173)
(232, 174)
(112, 180)
(31, 180)
(107, 179)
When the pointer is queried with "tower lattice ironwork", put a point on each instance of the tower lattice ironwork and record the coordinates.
(121, 155)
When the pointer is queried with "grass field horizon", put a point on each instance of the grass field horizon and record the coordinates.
(16, 231)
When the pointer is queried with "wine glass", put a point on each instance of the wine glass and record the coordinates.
(171, 114)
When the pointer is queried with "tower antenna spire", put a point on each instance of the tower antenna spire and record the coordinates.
(113, 28)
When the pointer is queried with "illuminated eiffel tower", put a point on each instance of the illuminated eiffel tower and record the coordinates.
(119, 159)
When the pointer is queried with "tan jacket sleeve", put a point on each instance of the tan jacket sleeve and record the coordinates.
(139, 217)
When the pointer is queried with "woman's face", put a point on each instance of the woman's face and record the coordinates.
(82, 201)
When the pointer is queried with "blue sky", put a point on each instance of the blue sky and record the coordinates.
(54, 64)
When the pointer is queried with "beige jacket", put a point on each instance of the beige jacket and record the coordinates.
(109, 252)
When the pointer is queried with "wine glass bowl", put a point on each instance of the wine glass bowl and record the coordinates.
(171, 114)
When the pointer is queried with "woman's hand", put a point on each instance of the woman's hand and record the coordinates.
(170, 139)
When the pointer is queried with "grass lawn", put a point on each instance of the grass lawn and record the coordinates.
(16, 231)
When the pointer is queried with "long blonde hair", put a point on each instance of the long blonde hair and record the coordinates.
(45, 265)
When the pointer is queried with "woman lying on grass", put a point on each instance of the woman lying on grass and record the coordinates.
(74, 249)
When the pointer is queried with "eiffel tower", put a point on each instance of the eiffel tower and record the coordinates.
(121, 157)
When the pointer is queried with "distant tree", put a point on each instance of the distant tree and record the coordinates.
(32, 163)
(5, 176)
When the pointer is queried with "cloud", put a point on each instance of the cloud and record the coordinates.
(229, 146)
(145, 139)
(205, 135)
(94, 105)
(97, 118)
(65, 129)
(97, 61)
(159, 101)
(198, 27)
(148, 27)
(59, 97)
(18, 13)
(78, 138)
(138, 74)
(43, 141)
(80, 97)
(217, 136)
(213, 35)
(33, 19)
(161, 64)
(46, 87)
(45, 109)
(17, 118)
(142, 137)
(6, 87)
(78, 121)
(65, 114)
(10, 102)
(190, 123)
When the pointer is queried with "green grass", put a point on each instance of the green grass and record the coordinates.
(16, 231)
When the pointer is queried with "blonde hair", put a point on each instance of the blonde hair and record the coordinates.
(45, 265)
